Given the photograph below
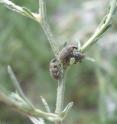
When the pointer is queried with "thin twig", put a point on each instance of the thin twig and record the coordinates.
(104, 25)
(27, 110)
(45, 104)
(40, 17)
(17, 86)
(36, 121)
(102, 91)
(60, 95)
(66, 109)
(21, 10)
(46, 27)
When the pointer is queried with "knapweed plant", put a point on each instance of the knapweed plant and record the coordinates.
(72, 53)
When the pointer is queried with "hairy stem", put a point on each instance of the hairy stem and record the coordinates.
(27, 110)
(104, 25)
(102, 95)
(60, 94)
(46, 27)
(17, 86)
(102, 90)
(40, 17)
(21, 10)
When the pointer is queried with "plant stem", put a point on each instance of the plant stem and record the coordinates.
(27, 110)
(46, 27)
(102, 95)
(17, 86)
(40, 17)
(45, 104)
(104, 25)
(21, 10)
(60, 96)
(102, 83)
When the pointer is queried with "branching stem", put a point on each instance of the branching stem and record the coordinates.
(60, 96)
(41, 18)
(46, 27)
(17, 86)
(27, 110)
(104, 25)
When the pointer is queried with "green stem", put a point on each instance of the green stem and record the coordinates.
(104, 25)
(102, 95)
(17, 86)
(60, 96)
(46, 27)
(27, 110)
(102, 91)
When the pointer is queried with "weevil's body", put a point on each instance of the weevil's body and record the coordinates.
(63, 60)
(55, 69)
(70, 52)
(66, 53)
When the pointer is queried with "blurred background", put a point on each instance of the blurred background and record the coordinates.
(91, 86)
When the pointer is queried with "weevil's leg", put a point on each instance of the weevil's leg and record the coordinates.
(78, 44)
(89, 59)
